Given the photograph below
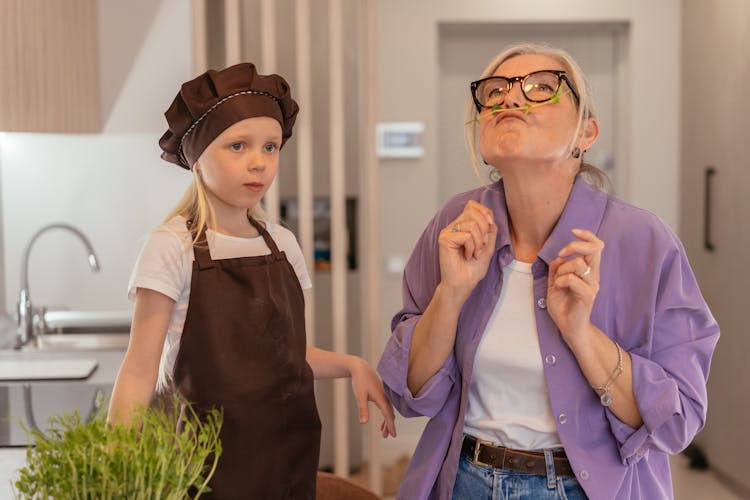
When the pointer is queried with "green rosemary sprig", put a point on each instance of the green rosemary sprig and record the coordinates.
(525, 109)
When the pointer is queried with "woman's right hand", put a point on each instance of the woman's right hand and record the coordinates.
(465, 247)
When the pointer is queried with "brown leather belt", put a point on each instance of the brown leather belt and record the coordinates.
(530, 462)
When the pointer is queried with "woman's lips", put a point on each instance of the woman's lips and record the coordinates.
(254, 186)
(507, 115)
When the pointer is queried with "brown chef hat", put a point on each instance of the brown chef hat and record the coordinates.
(216, 100)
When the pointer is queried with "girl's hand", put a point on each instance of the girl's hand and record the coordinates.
(573, 285)
(465, 247)
(367, 386)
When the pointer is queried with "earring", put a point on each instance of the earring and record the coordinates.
(577, 153)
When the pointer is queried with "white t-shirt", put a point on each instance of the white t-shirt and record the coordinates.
(508, 397)
(165, 264)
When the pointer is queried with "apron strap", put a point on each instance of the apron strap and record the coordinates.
(200, 249)
(266, 237)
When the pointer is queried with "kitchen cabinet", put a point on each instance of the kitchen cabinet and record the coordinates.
(50, 66)
(716, 211)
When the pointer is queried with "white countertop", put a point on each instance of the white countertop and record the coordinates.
(105, 373)
(47, 369)
(11, 459)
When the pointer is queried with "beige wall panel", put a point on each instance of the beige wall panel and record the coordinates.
(49, 63)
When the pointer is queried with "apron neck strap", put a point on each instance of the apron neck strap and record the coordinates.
(200, 248)
(266, 237)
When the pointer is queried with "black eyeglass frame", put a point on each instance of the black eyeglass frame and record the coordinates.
(561, 76)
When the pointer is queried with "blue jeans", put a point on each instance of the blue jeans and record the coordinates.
(475, 482)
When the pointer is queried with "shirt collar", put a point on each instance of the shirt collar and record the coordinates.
(583, 210)
(501, 217)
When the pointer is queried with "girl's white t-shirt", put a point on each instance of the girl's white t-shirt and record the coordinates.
(165, 264)
(508, 397)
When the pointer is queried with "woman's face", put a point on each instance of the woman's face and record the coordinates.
(542, 135)
(241, 163)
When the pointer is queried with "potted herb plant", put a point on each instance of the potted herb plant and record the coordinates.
(171, 454)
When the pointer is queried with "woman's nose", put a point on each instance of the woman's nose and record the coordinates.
(515, 97)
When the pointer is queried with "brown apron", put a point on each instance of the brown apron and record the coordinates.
(243, 349)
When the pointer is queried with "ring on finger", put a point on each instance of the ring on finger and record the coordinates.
(586, 272)
(456, 228)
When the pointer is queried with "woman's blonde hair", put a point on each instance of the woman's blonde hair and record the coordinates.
(585, 105)
(195, 206)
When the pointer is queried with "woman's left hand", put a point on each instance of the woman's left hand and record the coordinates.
(573, 284)
(367, 387)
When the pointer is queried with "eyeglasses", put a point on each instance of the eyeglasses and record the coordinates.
(538, 86)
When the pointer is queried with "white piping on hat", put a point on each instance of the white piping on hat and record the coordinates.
(181, 154)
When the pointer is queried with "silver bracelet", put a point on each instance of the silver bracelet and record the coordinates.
(606, 396)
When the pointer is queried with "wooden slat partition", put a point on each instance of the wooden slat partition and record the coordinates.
(303, 131)
(232, 37)
(338, 230)
(272, 202)
(370, 196)
(200, 37)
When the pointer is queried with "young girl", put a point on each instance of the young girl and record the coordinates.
(219, 307)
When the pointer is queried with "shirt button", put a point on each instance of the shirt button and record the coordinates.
(584, 474)
(550, 359)
(562, 418)
(542, 303)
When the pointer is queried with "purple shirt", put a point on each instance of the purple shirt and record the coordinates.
(649, 302)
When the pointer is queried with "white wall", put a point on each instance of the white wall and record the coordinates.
(113, 186)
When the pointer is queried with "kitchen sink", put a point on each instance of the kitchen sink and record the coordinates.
(79, 342)
(70, 331)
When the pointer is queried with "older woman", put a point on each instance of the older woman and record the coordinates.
(549, 365)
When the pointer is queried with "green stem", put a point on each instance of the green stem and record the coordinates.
(208, 476)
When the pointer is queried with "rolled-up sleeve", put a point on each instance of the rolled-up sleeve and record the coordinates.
(421, 277)
(393, 369)
(670, 369)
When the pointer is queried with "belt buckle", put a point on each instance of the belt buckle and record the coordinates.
(477, 444)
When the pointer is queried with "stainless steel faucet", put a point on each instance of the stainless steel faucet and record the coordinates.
(25, 309)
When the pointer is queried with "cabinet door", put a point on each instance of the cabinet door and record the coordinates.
(716, 121)
(49, 65)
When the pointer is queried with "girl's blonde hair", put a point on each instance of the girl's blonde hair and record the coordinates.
(195, 206)
(585, 105)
